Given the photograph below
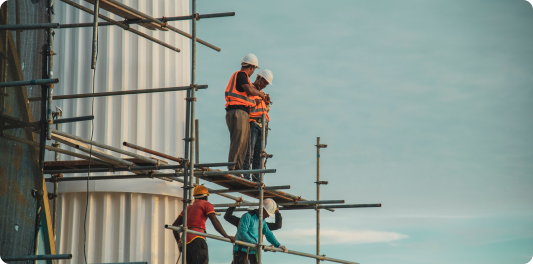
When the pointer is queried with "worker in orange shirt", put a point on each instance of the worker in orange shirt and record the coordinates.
(239, 99)
(253, 155)
(197, 214)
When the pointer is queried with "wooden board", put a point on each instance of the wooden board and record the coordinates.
(121, 12)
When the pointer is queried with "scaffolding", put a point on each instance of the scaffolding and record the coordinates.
(188, 168)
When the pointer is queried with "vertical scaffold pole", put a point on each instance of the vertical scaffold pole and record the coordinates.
(318, 183)
(197, 146)
(3, 90)
(56, 184)
(193, 91)
(95, 34)
(189, 129)
(261, 192)
(49, 118)
(318, 197)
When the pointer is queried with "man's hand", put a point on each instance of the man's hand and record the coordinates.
(258, 101)
(232, 239)
(284, 249)
(267, 99)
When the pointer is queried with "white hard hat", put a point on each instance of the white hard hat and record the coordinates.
(251, 59)
(270, 206)
(267, 75)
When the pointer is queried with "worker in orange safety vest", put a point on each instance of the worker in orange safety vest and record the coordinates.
(240, 95)
(253, 154)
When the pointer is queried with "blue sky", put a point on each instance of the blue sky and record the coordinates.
(426, 107)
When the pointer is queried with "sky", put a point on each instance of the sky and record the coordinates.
(426, 107)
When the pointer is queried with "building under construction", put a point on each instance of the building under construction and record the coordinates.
(99, 140)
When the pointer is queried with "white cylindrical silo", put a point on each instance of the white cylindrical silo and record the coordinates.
(125, 219)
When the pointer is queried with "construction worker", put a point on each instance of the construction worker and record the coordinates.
(248, 231)
(239, 94)
(197, 214)
(253, 154)
(234, 220)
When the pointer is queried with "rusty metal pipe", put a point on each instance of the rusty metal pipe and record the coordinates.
(123, 26)
(251, 189)
(32, 82)
(141, 91)
(37, 257)
(133, 146)
(283, 204)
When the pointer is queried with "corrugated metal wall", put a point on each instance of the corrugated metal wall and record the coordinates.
(122, 224)
(121, 227)
(125, 62)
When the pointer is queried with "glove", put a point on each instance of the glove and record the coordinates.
(180, 244)
(284, 248)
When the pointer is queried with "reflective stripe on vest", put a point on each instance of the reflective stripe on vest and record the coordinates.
(258, 111)
(234, 97)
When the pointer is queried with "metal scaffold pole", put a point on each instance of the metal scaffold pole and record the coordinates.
(261, 191)
(318, 183)
(197, 147)
(49, 118)
(189, 136)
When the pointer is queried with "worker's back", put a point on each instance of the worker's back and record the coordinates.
(197, 216)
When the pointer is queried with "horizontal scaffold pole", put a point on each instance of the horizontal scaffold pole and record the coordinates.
(265, 248)
(37, 257)
(161, 23)
(104, 146)
(123, 26)
(137, 168)
(287, 203)
(251, 190)
(314, 207)
(102, 155)
(73, 119)
(234, 172)
(90, 24)
(112, 177)
(237, 199)
(129, 92)
(66, 152)
(32, 82)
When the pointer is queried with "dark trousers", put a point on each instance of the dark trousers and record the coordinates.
(239, 132)
(239, 257)
(253, 154)
(197, 252)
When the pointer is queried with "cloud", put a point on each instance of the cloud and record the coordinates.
(336, 236)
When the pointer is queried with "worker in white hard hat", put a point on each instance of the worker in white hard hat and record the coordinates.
(234, 220)
(239, 100)
(248, 231)
(253, 154)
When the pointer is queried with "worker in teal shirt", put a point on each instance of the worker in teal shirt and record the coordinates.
(248, 231)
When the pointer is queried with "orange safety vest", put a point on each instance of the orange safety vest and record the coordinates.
(258, 110)
(234, 97)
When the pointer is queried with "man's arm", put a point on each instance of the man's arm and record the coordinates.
(270, 237)
(252, 91)
(228, 216)
(178, 222)
(219, 227)
(277, 224)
